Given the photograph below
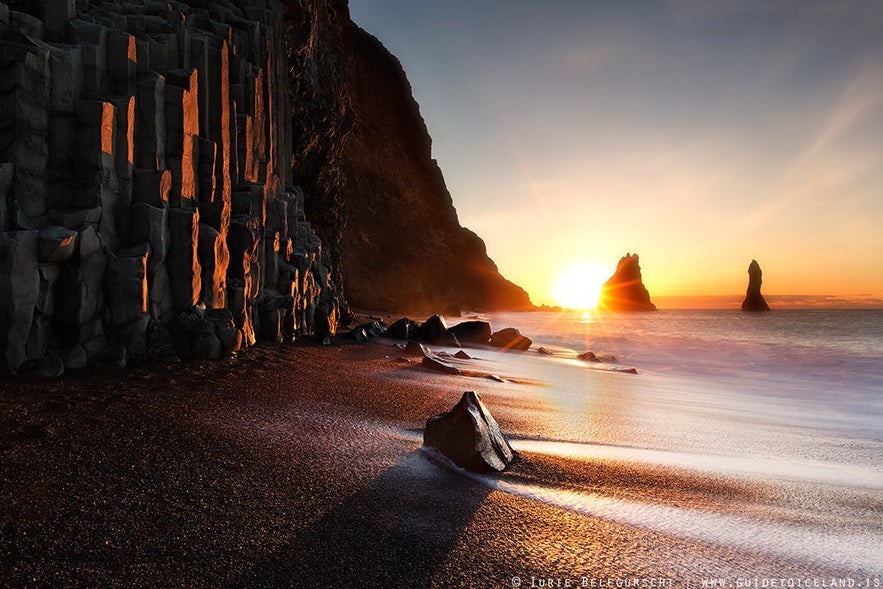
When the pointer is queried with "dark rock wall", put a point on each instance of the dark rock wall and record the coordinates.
(381, 202)
(146, 203)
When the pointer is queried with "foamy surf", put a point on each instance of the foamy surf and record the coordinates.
(810, 545)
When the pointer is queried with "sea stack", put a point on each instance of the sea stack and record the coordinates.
(754, 301)
(625, 290)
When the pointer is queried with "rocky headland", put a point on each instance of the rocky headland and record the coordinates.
(625, 290)
(754, 301)
(160, 163)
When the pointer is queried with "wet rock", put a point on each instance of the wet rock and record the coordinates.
(754, 301)
(416, 350)
(366, 331)
(510, 339)
(433, 362)
(496, 378)
(432, 330)
(588, 357)
(478, 332)
(625, 290)
(469, 436)
(544, 352)
(404, 328)
(461, 355)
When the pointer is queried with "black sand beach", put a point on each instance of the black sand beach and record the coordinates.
(309, 474)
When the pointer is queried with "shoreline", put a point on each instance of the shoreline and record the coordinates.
(301, 466)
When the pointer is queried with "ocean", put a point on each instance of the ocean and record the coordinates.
(786, 404)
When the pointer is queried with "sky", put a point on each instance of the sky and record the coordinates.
(700, 134)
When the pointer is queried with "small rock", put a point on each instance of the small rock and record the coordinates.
(588, 357)
(544, 352)
(469, 436)
(416, 350)
(607, 358)
(496, 378)
(435, 363)
(462, 355)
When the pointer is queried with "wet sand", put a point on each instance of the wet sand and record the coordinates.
(301, 467)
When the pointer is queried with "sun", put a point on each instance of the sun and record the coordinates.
(579, 286)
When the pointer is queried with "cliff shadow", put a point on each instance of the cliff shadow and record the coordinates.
(393, 533)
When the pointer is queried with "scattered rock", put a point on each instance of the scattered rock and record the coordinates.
(469, 436)
(510, 339)
(461, 355)
(496, 378)
(367, 331)
(606, 358)
(754, 301)
(588, 357)
(416, 350)
(544, 352)
(433, 362)
(478, 332)
(625, 290)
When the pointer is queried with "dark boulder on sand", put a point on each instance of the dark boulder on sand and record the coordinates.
(367, 331)
(404, 328)
(754, 301)
(510, 339)
(478, 332)
(469, 435)
(434, 330)
(625, 290)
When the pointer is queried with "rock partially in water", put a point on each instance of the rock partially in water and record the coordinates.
(754, 301)
(588, 357)
(469, 436)
(510, 339)
(433, 362)
(477, 332)
(544, 352)
(625, 290)
(434, 330)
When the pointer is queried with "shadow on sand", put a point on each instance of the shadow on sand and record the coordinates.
(393, 533)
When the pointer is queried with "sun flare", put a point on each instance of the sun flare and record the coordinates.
(579, 286)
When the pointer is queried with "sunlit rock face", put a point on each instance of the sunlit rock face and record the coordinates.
(469, 436)
(146, 202)
(754, 301)
(381, 205)
(625, 290)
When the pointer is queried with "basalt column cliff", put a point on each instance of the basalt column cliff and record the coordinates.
(158, 164)
(381, 205)
(146, 207)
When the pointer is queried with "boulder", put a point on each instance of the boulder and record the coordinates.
(404, 328)
(544, 352)
(433, 329)
(478, 332)
(510, 339)
(461, 355)
(588, 357)
(625, 291)
(754, 301)
(469, 436)
(416, 350)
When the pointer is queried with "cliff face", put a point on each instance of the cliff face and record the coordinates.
(381, 202)
(146, 208)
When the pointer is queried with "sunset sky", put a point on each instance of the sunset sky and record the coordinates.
(699, 134)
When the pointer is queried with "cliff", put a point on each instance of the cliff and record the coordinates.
(381, 202)
(146, 203)
(158, 165)
(625, 290)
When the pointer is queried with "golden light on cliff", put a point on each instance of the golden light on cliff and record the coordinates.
(579, 286)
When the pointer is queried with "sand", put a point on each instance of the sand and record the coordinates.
(301, 466)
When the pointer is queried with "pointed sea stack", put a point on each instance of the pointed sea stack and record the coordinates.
(625, 290)
(754, 301)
